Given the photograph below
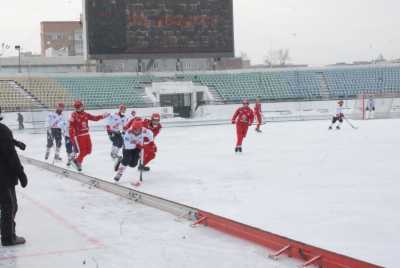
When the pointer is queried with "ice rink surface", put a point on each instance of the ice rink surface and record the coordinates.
(333, 189)
(67, 224)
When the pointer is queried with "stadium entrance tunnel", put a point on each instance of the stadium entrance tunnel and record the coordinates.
(183, 96)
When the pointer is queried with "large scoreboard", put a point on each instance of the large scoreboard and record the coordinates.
(159, 28)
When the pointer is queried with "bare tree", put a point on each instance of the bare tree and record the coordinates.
(380, 58)
(3, 48)
(283, 56)
(244, 55)
(278, 57)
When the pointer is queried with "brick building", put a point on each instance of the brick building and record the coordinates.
(61, 38)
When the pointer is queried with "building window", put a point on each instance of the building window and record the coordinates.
(55, 36)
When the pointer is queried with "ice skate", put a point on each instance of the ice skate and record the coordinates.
(77, 165)
(117, 177)
(144, 168)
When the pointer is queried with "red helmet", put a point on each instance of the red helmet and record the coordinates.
(245, 101)
(78, 104)
(60, 106)
(155, 116)
(136, 125)
(122, 107)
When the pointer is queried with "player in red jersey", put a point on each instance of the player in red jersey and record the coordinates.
(258, 114)
(79, 132)
(150, 149)
(243, 118)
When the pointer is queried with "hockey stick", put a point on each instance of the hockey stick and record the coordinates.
(348, 122)
(141, 165)
(141, 160)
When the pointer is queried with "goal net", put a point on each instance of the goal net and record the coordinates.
(377, 106)
(37, 119)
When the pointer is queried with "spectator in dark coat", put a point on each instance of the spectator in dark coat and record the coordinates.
(11, 171)
(20, 120)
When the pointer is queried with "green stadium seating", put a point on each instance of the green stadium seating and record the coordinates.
(280, 85)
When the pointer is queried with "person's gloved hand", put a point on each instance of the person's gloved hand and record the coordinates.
(20, 145)
(23, 179)
(139, 146)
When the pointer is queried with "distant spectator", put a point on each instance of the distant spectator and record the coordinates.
(20, 120)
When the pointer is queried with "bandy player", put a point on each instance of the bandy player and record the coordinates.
(150, 149)
(79, 132)
(258, 114)
(370, 109)
(55, 122)
(114, 127)
(243, 118)
(133, 147)
(338, 116)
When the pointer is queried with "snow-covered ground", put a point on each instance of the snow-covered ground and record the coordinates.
(67, 224)
(333, 189)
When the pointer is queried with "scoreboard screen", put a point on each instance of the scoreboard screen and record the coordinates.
(159, 28)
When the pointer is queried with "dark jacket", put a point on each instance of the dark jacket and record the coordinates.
(20, 118)
(10, 166)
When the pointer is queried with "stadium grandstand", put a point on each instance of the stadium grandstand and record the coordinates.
(271, 85)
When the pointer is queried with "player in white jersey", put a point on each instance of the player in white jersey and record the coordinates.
(55, 124)
(115, 125)
(370, 109)
(133, 147)
(338, 116)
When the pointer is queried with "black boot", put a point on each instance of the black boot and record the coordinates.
(77, 165)
(144, 168)
(240, 149)
(17, 240)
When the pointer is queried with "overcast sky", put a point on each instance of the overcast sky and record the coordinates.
(316, 32)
